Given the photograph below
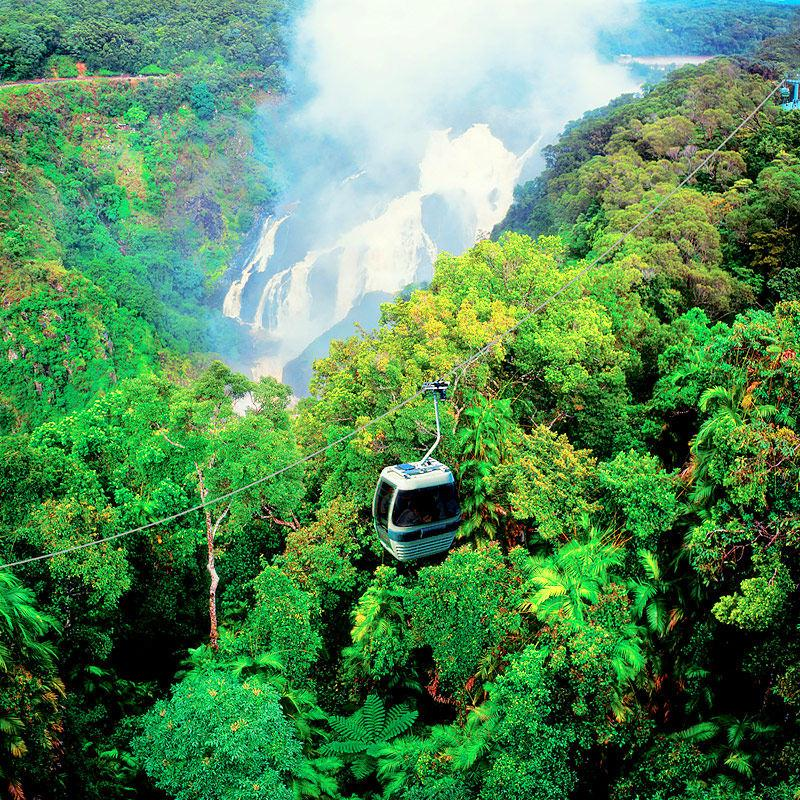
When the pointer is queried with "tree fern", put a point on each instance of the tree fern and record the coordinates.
(398, 721)
(373, 717)
(365, 735)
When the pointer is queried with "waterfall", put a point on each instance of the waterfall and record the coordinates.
(263, 251)
(465, 186)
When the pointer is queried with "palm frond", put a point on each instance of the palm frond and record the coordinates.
(740, 762)
(657, 616)
(649, 562)
(702, 732)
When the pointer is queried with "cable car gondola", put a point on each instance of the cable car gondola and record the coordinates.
(415, 510)
(790, 94)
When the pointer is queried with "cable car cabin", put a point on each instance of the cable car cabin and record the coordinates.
(790, 94)
(416, 509)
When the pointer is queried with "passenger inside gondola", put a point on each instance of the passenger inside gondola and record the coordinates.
(424, 506)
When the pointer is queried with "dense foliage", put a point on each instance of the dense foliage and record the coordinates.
(619, 617)
(45, 36)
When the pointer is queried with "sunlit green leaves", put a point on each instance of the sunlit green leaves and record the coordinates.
(218, 737)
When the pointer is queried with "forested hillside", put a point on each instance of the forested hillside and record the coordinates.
(40, 37)
(702, 27)
(619, 618)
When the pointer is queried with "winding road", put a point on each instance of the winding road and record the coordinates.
(90, 79)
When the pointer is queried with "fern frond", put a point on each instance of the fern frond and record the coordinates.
(373, 717)
(398, 721)
(343, 748)
(361, 767)
(348, 727)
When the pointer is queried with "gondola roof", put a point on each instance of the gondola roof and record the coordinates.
(431, 473)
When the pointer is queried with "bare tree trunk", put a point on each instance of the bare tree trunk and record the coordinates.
(212, 526)
(213, 636)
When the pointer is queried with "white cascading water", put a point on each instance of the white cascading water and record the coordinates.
(258, 261)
